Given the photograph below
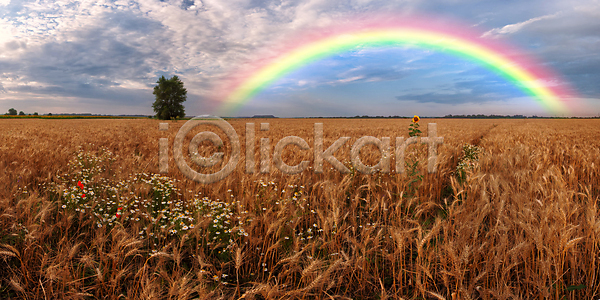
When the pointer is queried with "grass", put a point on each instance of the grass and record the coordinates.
(512, 212)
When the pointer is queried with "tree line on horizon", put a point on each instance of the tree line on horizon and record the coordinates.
(169, 96)
(171, 93)
(13, 112)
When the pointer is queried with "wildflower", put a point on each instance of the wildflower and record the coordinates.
(413, 129)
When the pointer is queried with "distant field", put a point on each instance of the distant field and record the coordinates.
(82, 214)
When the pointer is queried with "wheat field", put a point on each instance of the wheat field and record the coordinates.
(85, 214)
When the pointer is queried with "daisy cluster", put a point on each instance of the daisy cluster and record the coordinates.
(150, 200)
(224, 224)
(161, 206)
(89, 164)
(83, 190)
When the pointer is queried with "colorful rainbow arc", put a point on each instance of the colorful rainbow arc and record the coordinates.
(527, 80)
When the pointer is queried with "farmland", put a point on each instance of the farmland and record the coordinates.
(85, 214)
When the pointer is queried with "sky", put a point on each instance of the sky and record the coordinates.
(104, 57)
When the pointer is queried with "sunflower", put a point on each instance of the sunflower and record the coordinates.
(416, 119)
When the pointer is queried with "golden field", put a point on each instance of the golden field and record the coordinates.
(83, 217)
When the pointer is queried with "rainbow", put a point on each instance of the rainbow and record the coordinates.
(506, 61)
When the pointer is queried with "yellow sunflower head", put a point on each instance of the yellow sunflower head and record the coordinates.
(416, 119)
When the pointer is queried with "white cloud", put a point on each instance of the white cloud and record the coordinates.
(346, 80)
(513, 28)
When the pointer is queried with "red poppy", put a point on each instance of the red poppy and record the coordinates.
(83, 195)
(119, 210)
(79, 184)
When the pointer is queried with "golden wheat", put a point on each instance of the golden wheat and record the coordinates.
(522, 224)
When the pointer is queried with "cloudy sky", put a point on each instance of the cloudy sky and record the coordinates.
(104, 57)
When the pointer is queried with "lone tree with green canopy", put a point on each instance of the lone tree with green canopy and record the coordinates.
(170, 94)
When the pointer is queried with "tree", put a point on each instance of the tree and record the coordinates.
(12, 112)
(169, 94)
(35, 113)
(21, 113)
